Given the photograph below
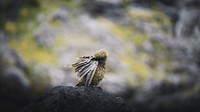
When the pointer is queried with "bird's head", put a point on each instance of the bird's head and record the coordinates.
(101, 54)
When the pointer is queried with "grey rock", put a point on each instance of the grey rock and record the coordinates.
(77, 99)
(148, 47)
(44, 35)
(115, 84)
(14, 78)
(9, 57)
(188, 25)
(51, 76)
(12, 68)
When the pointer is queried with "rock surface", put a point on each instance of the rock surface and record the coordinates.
(77, 99)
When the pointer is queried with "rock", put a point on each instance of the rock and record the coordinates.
(15, 87)
(50, 76)
(168, 97)
(44, 35)
(8, 14)
(148, 47)
(77, 99)
(103, 7)
(14, 78)
(15, 90)
(188, 24)
(9, 57)
(114, 84)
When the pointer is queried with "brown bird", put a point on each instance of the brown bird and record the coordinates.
(91, 69)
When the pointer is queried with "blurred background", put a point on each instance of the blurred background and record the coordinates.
(153, 46)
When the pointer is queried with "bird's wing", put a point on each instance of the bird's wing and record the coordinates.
(81, 61)
(90, 75)
(85, 66)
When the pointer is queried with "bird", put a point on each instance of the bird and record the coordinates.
(91, 69)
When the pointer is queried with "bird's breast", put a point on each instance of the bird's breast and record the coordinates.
(99, 75)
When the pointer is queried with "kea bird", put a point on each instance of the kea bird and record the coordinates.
(91, 69)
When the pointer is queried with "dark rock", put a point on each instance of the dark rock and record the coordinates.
(187, 25)
(15, 91)
(103, 7)
(10, 9)
(77, 99)
(168, 97)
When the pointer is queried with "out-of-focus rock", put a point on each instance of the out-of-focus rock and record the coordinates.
(168, 97)
(188, 24)
(44, 34)
(117, 85)
(77, 99)
(148, 47)
(11, 13)
(15, 91)
(108, 8)
(15, 87)
(50, 76)
(14, 78)
(9, 57)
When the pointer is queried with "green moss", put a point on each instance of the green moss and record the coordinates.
(53, 4)
(10, 27)
(60, 42)
(54, 23)
(27, 13)
(31, 51)
(162, 21)
(23, 40)
(140, 14)
(27, 21)
(154, 17)
(139, 70)
(70, 3)
(192, 92)
(129, 34)
(159, 47)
